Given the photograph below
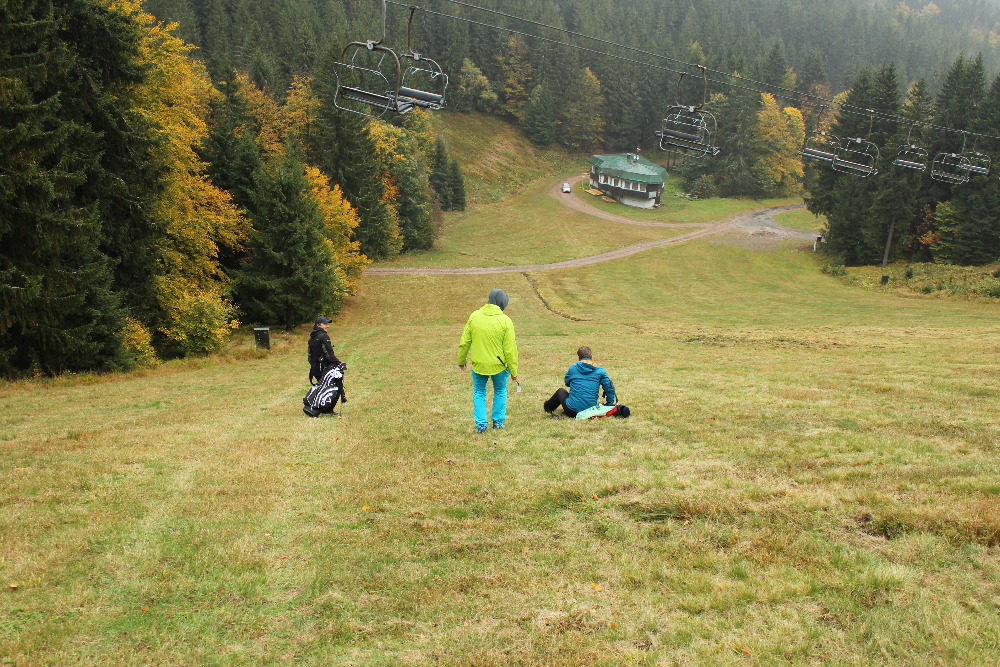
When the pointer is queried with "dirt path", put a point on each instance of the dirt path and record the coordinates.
(751, 223)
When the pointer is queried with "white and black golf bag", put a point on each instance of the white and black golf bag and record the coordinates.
(322, 397)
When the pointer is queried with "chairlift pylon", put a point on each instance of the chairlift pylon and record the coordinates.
(954, 168)
(911, 156)
(689, 128)
(423, 82)
(857, 156)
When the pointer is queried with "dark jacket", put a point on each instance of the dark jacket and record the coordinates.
(585, 380)
(321, 356)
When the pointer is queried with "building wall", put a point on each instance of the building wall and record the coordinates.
(644, 198)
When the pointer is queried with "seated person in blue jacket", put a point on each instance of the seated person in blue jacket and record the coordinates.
(584, 379)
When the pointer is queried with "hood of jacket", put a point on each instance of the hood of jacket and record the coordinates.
(316, 333)
(585, 366)
(491, 310)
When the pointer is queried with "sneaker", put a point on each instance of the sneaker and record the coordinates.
(310, 412)
(498, 425)
(480, 429)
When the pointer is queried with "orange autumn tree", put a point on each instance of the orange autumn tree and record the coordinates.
(340, 220)
(194, 314)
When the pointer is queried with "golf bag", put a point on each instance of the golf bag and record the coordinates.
(322, 398)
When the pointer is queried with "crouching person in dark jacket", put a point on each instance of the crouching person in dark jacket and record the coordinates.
(326, 370)
(585, 380)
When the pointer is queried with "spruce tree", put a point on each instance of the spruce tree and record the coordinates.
(75, 237)
(539, 123)
(231, 152)
(289, 274)
(457, 186)
(412, 199)
(440, 178)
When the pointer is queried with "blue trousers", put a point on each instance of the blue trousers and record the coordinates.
(499, 397)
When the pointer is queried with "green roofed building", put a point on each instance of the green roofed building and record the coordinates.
(628, 178)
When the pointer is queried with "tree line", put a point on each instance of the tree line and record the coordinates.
(584, 99)
(153, 194)
(145, 208)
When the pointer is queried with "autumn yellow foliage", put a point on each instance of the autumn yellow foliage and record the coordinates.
(197, 217)
(779, 134)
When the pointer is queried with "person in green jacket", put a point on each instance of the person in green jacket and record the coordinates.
(488, 338)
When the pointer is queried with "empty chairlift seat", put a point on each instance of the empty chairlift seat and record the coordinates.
(911, 157)
(821, 147)
(950, 168)
(690, 129)
(856, 156)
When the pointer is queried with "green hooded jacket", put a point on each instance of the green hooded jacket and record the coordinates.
(487, 335)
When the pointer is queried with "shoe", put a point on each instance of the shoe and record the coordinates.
(480, 429)
(498, 425)
(310, 412)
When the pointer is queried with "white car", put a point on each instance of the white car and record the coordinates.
(566, 187)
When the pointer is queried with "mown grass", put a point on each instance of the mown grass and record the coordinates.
(527, 228)
(809, 477)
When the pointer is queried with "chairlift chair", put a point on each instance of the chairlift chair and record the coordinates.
(951, 168)
(911, 156)
(979, 163)
(689, 128)
(856, 156)
(423, 83)
(820, 146)
(368, 78)
(954, 168)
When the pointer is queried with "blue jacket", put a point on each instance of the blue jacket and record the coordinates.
(584, 380)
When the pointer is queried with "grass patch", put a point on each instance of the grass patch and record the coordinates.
(941, 281)
(803, 220)
(808, 477)
(497, 160)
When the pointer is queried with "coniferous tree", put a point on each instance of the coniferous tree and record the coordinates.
(440, 178)
(968, 228)
(457, 186)
(539, 124)
(231, 151)
(812, 77)
(74, 237)
(289, 274)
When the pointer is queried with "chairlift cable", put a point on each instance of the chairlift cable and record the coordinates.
(759, 86)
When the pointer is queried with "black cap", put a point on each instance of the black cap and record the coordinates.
(322, 320)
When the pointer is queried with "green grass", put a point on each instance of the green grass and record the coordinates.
(498, 161)
(527, 228)
(803, 220)
(676, 209)
(924, 279)
(809, 477)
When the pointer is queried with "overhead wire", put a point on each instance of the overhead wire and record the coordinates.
(748, 84)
